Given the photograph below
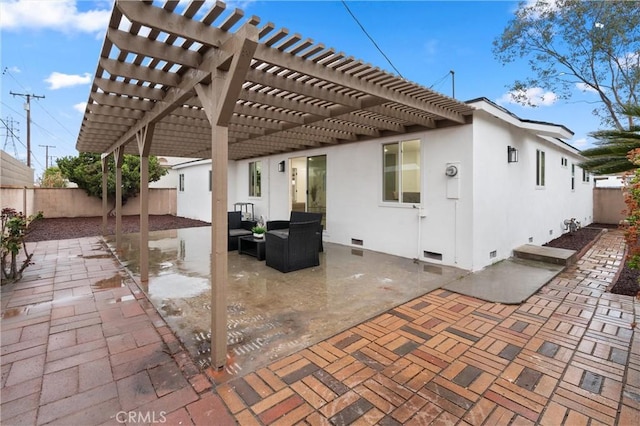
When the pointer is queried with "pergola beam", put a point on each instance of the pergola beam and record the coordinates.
(315, 70)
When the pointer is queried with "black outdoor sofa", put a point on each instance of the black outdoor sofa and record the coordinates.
(293, 248)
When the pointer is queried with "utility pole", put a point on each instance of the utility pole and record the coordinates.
(453, 84)
(46, 155)
(27, 107)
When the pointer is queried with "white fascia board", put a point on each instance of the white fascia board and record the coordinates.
(191, 163)
(564, 146)
(538, 128)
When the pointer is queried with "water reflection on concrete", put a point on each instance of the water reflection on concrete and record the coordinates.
(271, 314)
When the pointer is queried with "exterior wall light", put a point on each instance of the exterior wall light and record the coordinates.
(281, 166)
(512, 154)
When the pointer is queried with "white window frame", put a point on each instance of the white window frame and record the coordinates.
(399, 172)
(540, 168)
(255, 179)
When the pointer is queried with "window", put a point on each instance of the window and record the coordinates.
(181, 182)
(585, 176)
(564, 162)
(401, 172)
(210, 182)
(539, 168)
(254, 178)
(573, 177)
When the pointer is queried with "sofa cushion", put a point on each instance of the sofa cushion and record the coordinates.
(280, 233)
(239, 232)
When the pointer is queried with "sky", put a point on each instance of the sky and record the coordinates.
(50, 48)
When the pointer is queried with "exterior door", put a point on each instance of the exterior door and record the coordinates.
(309, 184)
(317, 185)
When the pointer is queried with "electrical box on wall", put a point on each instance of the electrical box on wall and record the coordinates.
(452, 171)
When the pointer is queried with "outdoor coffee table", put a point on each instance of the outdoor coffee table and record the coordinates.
(252, 246)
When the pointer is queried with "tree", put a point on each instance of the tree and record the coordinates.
(632, 223)
(611, 153)
(53, 178)
(86, 171)
(594, 45)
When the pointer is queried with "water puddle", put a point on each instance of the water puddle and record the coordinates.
(99, 256)
(14, 312)
(107, 283)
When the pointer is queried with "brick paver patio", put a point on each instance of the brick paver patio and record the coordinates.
(81, 345)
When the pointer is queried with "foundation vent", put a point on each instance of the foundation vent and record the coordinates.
(357, 252)
(356, 242)
(432, 255)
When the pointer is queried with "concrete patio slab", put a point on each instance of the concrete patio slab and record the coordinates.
(510, 281)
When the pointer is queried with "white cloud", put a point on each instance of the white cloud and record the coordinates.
(540, 8)
(58, 80)
(630, 60)
(534, 96)
(80, 107)
(583, 87)
(580, 143)
(58, 15)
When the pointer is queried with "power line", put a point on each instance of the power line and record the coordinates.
(55, 119)
(371, 38)
(51, 135)
(11, 133)
(18, 139)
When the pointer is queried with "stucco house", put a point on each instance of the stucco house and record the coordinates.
(289, 123)
(463, 196)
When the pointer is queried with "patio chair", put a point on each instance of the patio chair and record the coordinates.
(293, 248)
(237, 228)
(297, 216)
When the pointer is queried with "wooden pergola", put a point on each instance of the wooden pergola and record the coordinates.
(214, 84)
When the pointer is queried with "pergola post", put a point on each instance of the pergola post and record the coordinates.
(104, 161)
(219, 244)
(209, 95)
(218, 100)
(119, 157)
(143, 137)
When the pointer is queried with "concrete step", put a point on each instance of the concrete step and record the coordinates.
(557, 256)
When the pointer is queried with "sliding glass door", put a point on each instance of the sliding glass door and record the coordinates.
(309, 184)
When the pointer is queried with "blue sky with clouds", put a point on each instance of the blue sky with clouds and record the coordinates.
(50, 48)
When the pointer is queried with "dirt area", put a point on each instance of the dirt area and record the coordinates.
(576, 240)
(78, 227)
(627, 283)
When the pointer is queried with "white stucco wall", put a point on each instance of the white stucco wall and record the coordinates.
(195, 201)
(509, 209)
(490, 205)
(354, 194)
